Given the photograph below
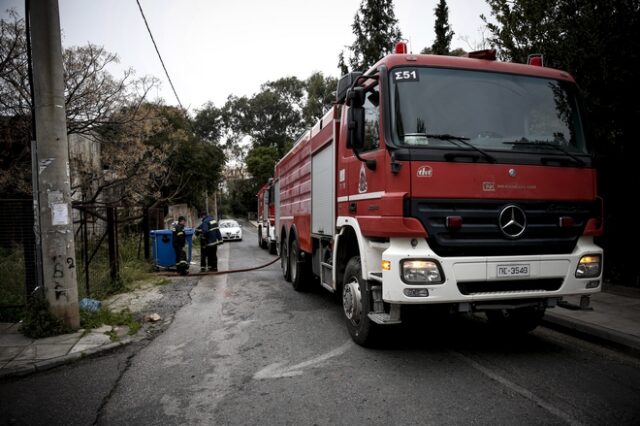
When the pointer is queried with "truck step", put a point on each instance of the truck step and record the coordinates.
(383, 318)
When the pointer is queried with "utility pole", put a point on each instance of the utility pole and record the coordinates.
(53, 193)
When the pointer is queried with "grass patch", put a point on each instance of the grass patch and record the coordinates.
(104, 316)
(38, 322)
(12, 284)
(132, 269)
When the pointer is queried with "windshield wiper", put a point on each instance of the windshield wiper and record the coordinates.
(447, 137)
(556, 147)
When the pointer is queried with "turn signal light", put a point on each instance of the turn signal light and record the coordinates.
(386, 265)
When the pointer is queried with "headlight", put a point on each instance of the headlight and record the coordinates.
(589, 266)
(421, 272)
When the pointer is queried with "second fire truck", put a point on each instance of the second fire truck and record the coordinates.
(266, 219)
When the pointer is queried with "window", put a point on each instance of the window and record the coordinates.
(371, 119)
(495, 111)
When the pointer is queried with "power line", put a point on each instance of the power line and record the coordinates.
(160, 56)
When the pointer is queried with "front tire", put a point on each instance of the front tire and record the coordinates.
(356, 304)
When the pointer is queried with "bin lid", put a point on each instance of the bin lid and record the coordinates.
(188, 231)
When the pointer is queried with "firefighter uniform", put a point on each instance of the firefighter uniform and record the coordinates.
(210, 239)
(179, 241)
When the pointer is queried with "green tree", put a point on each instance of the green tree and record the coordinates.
(261, 161)
(270, 118)
(208, 123)
(376, 29)
(240, 198)
(599, 43)
(321, 93)
(193, 165)
(442, 43)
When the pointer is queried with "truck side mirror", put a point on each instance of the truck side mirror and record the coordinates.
(355, 118)
(355, 123)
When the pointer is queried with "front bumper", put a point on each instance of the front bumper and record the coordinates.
(474, 279)
(228, 237)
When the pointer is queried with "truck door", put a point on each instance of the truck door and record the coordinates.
(365, 185)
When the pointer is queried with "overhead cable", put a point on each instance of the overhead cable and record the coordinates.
(160, 56)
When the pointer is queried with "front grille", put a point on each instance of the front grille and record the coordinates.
(480, 234)
(475, 287)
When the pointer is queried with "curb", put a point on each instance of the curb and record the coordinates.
(595, 332)
(48, 364)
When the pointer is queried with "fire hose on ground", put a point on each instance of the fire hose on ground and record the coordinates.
(230, 271)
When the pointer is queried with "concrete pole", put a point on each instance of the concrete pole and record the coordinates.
(54, 208)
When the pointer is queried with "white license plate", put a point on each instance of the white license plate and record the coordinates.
(519, 270)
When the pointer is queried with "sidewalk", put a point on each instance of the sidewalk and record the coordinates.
(20, 355)
(615, 319)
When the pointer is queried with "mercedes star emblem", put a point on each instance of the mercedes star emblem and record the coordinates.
(512, 221)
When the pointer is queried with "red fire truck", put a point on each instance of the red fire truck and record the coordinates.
(266, 218)
(458, 182)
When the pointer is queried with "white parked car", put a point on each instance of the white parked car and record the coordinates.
(230, 230)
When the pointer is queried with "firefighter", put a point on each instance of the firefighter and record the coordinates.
(179, 241)
(210, 239)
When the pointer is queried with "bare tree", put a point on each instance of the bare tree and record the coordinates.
(114, 112)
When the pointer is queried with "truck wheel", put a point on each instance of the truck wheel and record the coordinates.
(356, 303)
(260, 236)
(284, 260)
(521, 320)
(299, 278)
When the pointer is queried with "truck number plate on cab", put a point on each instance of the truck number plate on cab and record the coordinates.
(520, 270)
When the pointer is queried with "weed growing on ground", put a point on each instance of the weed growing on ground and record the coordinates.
(95, 319)
(38, 322)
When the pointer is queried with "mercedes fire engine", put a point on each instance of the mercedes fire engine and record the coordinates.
(459, 182)
(266, 218)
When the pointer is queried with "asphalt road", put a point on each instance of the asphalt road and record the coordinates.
(246, 349)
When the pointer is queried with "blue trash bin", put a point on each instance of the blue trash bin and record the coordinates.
(164, 256)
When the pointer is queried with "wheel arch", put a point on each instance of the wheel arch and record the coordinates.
(350, 242)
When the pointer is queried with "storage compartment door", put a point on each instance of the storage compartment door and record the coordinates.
(276, 208)
(323, 191)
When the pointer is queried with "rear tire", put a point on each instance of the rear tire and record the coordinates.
(356, 305)
(273, 248)
(260, 236)
(284, 260)
(299, 278)
(517, 321)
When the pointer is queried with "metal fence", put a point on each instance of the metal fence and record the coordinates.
(110, 242)
(17, 254)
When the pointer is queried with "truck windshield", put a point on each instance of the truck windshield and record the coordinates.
(491, 111)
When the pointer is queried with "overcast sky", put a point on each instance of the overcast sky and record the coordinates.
(214, 48)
